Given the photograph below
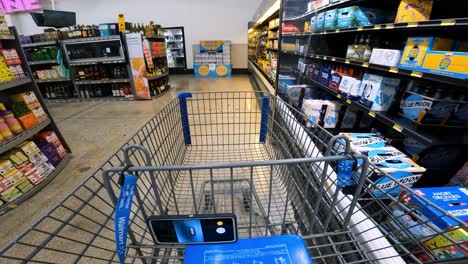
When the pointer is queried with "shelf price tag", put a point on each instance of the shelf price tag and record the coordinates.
(365, 64)
(333, 59)
(416, 74)
(393, 70)
(338, 96)
(360, 29)
(348, 101)
(398, 128)
(412, 24)
(372, 114)
(390, 26)
(377, 27)
(337, 31)
(325, 58)
(317, 56)
(448, 22)
(347, 61)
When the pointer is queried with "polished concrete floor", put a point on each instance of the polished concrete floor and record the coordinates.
(94, 130)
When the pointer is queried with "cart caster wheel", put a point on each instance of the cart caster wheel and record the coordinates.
(246, 201)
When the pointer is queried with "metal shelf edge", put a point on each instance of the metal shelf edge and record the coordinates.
(158, 76)
(15, 83)
(103, 81)
(38, 44)
(23, 136)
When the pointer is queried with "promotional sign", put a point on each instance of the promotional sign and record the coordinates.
(121, 22)
(211, 46)
(137, 61)
(212, 70)
(10, 6)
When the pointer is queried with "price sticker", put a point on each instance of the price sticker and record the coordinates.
(317, 56)
(398, 128)
(325, 58)
(412, 24)
(377, 27)
(365, 64)
(333, 59)
(338, 96)
(12, 206)
(347, 62)
(390, 26)
(372, 114)
(417, 74)
(337, 31)
(348, 101)
(393, 70)
(360, 29)
(448, 22)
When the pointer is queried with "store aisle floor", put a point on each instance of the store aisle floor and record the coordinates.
(94, 131)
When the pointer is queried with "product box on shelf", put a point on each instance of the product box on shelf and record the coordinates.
(346, 17)
(365, 140)
(45, 168)
(434, 55)
(369, 16)
(414, 11)
(378, 91)
(332, 114)
(313, 110)
(6, 167)
(356, 52)
(29, 148)
(331, 17)
(428, 110)
(5, 184)
(10, 194)
(316, 4)
(452, 199)
(313, 19)
(385, 57)
(349, 84)
(319, 21)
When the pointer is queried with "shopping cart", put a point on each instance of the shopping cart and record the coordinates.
(245, 153)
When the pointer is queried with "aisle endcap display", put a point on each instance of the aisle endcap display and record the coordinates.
(213, 59)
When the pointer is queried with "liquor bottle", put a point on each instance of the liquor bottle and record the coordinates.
(84, 32)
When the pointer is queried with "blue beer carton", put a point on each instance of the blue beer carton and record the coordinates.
(319, 21)
(331, 17)
(346, 17)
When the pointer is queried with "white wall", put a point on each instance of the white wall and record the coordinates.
(202, 19)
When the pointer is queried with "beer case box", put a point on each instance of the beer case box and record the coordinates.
(312, 23)
(332, 114)
(5, 184)
(385, 57)
(38, 159)
(319, 21)
(452, 200)
(331, 17)
(365, 140)
(15, 177)
(35, 176)
(370, 16)
(349, 84)
(426, 110)
(414, 11)
(24, 186)
(448, 63)
(416, 49)
(49, 136)
(10, 194)
(346, 17)
(45, 168)
(378, 91)
(18, 158)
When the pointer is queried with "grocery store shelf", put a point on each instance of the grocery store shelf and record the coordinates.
(155, 37)
(260, 79)
(423, 25)
(402, 125)
(158, 56)
(97, 99)
(392, 70)
(96, 61)
(18, 139)
(102, 81)
(162, 93)
(334, 5)
(93, 39)
(13, 204)
(273, 38)
(42, 62)
(270, 80)
(39, 44)
(14, 83)
(273, 28)
(158, 76)
(53, 80)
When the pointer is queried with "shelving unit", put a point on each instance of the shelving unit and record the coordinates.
(176, 50)
(263, 45)
(63, 82)
(158, 76)
(25, 85)
(102, 56)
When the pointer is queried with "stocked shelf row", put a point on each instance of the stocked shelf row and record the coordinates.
(392, 70)
(14, 83)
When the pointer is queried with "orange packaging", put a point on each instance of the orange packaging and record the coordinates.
(28, 121)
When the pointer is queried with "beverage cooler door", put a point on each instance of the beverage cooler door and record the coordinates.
(104, 49)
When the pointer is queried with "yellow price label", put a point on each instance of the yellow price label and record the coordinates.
(393, 70)
(325, 58)
(338, 96)
(337, 31)
(365, 64)
(372, 114)
(360, 29)
(448, 22)
(333, 59)
(412, 24)
(13, 206)
(377, 27)
(390, 26)
(348, 101)
(398, 128)
(317, 56)
(347, 61)
(417, 74)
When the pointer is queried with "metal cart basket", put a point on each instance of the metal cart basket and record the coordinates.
(245, 153)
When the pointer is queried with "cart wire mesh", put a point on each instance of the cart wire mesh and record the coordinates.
(228, 152)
